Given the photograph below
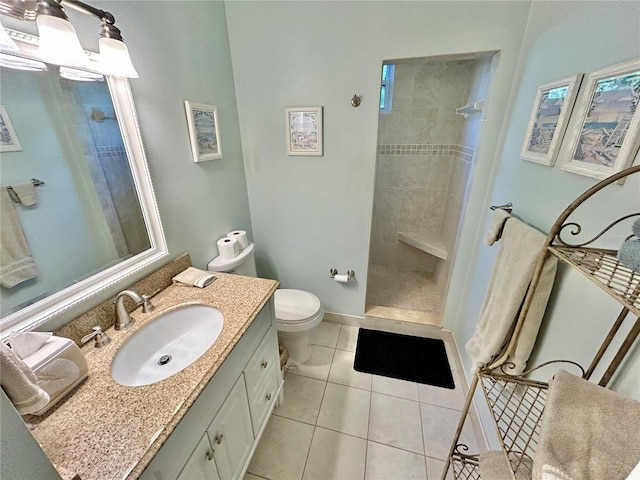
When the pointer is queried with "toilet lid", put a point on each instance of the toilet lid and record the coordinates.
(295, 305)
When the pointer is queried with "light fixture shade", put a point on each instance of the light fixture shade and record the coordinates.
(59, 43)
(114, 58)
(6, 42)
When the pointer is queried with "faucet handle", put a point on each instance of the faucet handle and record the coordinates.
(147, 306)
(102, 338)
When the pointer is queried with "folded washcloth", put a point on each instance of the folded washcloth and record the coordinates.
(194, 277)
(636, 228)
(629, 254)
(497, 224)
(20, 384)
(27, 343)
(26, 192)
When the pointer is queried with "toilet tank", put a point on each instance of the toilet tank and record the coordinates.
(243, 264)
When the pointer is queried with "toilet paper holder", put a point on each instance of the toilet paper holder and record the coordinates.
(350, 273)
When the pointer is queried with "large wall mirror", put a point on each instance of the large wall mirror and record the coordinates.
(95, 220)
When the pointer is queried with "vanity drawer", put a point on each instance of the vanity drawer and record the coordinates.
(265, 397)
(263, 362)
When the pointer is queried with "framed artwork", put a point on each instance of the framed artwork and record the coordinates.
(204, 131)
(549, 118)
(606, 134)
(304, 130)
(8, 139)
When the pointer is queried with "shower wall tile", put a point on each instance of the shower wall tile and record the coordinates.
(429, 82)
(423, 125)
(403, 86)
(454, 89)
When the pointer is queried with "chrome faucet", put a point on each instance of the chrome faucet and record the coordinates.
(123, 319)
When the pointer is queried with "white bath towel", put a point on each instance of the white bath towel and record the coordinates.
(496, 225)
(19, 383)
(16, 264)
(520, 249)
(26, 193)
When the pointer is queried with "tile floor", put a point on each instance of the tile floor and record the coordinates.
(336, 423)
(402, 288)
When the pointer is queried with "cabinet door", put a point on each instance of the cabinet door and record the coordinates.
(230, 433)
(201, 464)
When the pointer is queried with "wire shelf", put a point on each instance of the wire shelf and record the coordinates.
(516, 405)
(465, 467)
(602, 268)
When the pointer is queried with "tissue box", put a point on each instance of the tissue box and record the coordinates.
(59, 366)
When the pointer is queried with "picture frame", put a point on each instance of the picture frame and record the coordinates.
(204, 131)
(549, 119)
(8, 138)
(304, 130)
(606, 132)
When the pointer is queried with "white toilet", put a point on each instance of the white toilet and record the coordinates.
(297, 311)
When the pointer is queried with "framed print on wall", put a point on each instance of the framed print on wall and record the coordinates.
(606, 133)
(204, 131)
(8, 139)
(549, 118)
(304, 130)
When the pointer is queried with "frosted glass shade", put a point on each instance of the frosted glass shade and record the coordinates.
(6, 43)
(59, 43)
(114, 58)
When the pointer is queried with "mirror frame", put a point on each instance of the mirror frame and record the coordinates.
(42, 311)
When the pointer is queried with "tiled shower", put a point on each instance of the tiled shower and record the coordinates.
(426, 154)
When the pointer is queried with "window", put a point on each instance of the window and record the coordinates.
(386, 88)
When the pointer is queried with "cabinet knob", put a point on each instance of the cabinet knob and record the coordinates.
(209, 454)
(268, 397)
(264, 364)
(218, 438)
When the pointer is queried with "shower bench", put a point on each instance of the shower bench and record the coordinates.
(433, 245)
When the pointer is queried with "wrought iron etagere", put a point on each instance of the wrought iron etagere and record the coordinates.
(517, 402)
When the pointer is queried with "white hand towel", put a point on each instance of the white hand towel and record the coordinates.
(26, 192)
(498, 219)
(16, 264)
(194, 277)
(20, 384)
(27, 343)
(520, 249)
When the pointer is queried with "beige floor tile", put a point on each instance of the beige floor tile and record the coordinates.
(317, 366)
(302, 399)
(435, 467)
(251, 476)
(439, 426)
(348, 338)
(443, 397)
(345, 409)
(342, 371)
(385, 463)
(282, 451)
(395, 387)
(395, 422)
(335, 456)
(325, 334)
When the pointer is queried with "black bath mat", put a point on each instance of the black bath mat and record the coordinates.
(416, 359)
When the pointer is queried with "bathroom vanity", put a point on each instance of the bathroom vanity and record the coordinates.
(203, 422)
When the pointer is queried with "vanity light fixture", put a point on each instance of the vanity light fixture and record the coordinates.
(59, 42)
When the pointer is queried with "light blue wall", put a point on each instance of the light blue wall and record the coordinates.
(313, 213)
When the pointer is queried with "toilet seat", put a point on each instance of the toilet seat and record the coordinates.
(297, 310)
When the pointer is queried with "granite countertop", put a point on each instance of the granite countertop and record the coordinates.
(106, 430)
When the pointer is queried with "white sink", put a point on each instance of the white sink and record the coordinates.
(166, 345)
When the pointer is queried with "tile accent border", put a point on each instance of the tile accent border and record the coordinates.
(460, 151)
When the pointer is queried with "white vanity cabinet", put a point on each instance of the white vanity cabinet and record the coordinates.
(218, 435)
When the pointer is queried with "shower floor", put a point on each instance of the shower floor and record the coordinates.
(407, 290)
